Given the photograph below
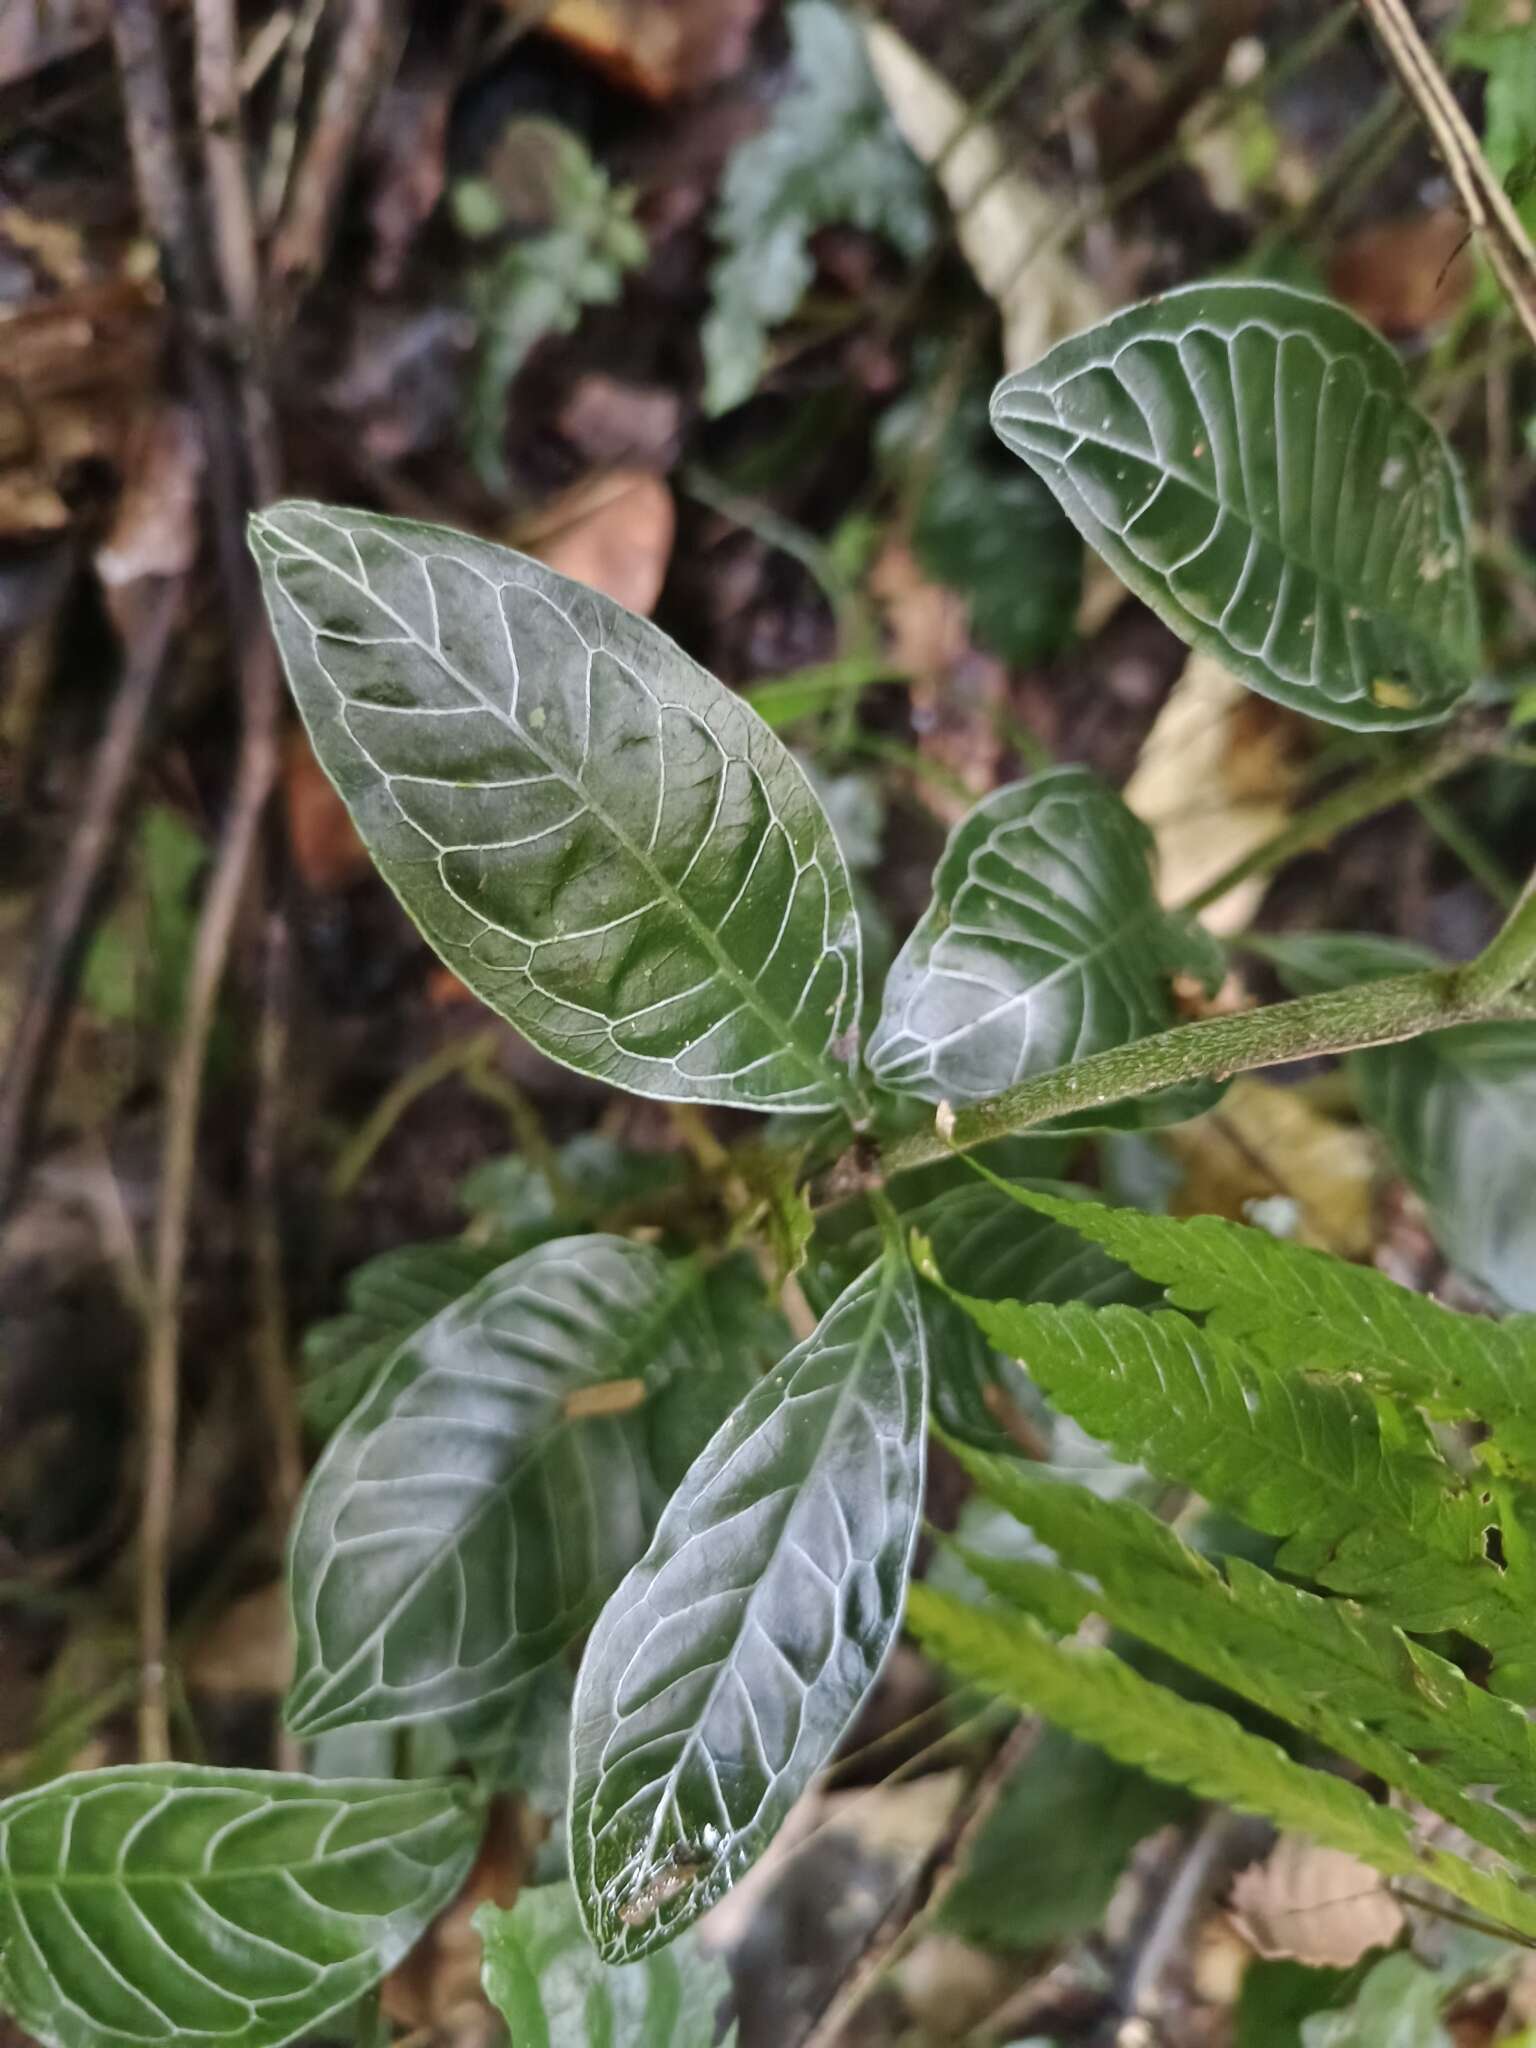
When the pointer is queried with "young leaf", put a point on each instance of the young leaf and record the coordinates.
(495, 1482)
(605, 844)
(1045, 942)
(1355, 1488)
(1300, 1308)
(166, 1902)
(721, 1674)
(1095, 1695)
(1329, 1666)
(548, 1983)
(1246, 458)
(1399, 2006)
(830, 154)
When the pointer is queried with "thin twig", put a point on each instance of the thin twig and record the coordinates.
(1509, 249)
(936, 1877)
(269, 1337)
(66, 920)
(356, 68)
(229, 197)
(273, 188)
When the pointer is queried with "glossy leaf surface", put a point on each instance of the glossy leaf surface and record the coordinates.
(554, 1991)
(493, 1485)
(611, 849)
(170, 1903)
(1044, 942)
(721, 1674)
(1246, 458)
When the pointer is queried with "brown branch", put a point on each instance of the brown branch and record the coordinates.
(1498, 226)
(65, 924)
(937, 1876)
(357, 66)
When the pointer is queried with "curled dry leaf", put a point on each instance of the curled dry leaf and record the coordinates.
(1215, 780)
(249, 1649)
(324, 842)
(1005, 224)
(1312, 1905)
(658, 47)
(154, 530)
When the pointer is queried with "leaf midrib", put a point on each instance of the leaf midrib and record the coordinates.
(819, 1067)
(892, 1269)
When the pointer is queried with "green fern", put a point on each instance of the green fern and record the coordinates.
(1094, 1694)
(1299, 1307)
(1329, 1667)
(1352, 1482)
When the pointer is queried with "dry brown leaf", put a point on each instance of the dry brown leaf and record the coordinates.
(658, 47)
(956, 691)
(1308, 1904)
(326, 848)
(1266, 1154)
(614, 532)
(1003, 221)
(249, 1649)
(1405, 275)
(154, 530)
(1215, 779)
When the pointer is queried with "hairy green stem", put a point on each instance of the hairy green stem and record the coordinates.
(1213, 1048)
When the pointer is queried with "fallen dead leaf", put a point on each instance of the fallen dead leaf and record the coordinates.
(1003, 221)
(1215, 780)
(1405, 275)
(956, 691)
(326, 848)
(154, 530)
(658, 47)
(1266, 1154)
(249, 1649)
(1312, 1905)
(614, 532)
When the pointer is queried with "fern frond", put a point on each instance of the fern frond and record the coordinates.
(1095, 1695)
(1351, 1482)
(1329, 1667)
(1305, 1310)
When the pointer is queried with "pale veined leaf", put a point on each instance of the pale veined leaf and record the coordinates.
(1247, 459)
(494, 1483)
(171, 1903)
(609, 847)
(1045, 942)
(553, 1990)
(723, 1671)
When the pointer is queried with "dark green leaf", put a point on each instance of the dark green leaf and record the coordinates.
(1044, 942)
(1046, 1864)
(1399, 2006)
(1277, 1996)
(722, 1673)
(608, 847)
(830, 155)
(476, 1506)
(550, 1986)
(1458, 1109)
(169, 1903)
(1247, 459)
(388, 1299)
